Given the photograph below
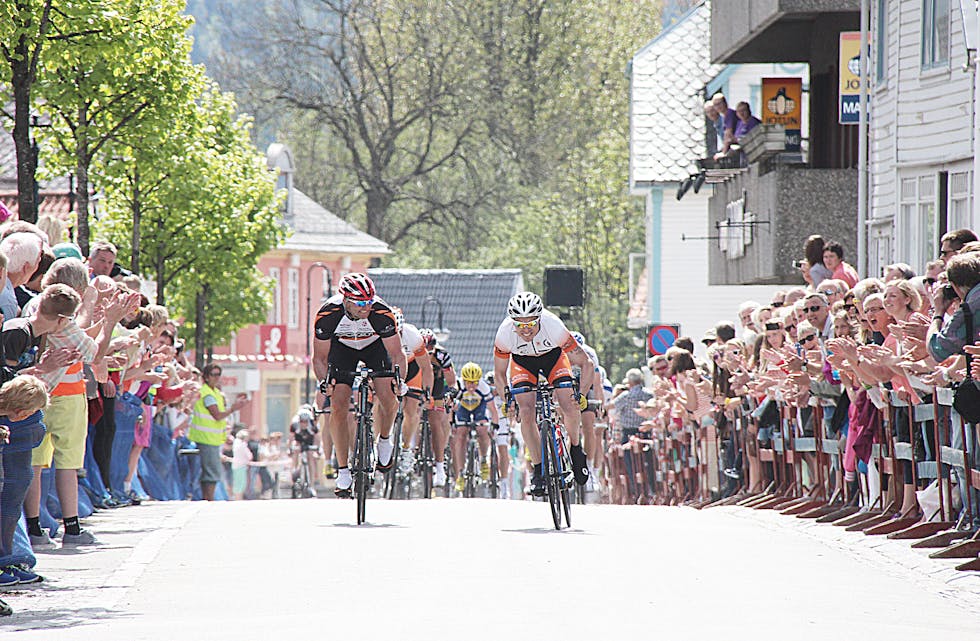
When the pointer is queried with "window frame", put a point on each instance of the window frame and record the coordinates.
(929, 36)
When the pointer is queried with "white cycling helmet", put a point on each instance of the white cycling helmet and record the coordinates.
(304, 414)
(399, 317)
(525, 304)
(578, 338)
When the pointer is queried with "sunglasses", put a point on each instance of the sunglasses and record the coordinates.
(813, 308)
(807, 339)
(828, 292)
(790, 328)
(929, 281)
(776, 303)
(360, 303)
(527, 325)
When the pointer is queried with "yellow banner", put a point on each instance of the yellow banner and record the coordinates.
(849, 94)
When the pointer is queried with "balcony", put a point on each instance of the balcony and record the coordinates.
(778, 30)
(760, 217)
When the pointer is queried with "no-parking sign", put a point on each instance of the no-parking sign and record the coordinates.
(661, 337)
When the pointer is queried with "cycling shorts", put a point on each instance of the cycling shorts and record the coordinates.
(554, 365)
(478, 415)
(343, 361)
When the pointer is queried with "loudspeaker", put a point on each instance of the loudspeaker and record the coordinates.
(564, 286)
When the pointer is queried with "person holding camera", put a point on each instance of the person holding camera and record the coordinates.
(946, 338)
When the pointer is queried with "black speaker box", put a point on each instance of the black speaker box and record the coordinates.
(564, 286)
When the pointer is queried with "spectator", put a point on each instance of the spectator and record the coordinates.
(812, 266)
(949, 245)
(240, 459)
(933, 269)
(900, 271)
(778, 299)
(23, 251)
(725, 331)
(717, 127)
(833, 290)
(101, 258)
(749, 330)
(729, 121)
(625, 404)
(833, 258)
(817, 312)
(793, 295)
(945, 340)
(746, 121)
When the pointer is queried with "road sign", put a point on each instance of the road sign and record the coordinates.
(661, 337)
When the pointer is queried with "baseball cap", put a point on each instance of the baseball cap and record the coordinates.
(67, 250)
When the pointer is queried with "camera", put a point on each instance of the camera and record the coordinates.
(949, 293)
(797, 264)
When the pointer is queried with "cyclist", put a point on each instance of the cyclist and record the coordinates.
(475, 398)
(356, 326)
(443, 387)
(418, 377)
(534, 341)
(304, 430)
(501, 438)
(595, 398)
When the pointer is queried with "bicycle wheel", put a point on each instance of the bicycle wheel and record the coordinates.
(391, 476)
(552, 472)
(426, 436)
(362, 476)
(471, 471)
(494, 471)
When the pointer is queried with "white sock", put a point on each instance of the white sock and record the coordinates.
(127, 486)
(441, 466)
(385, 450)
(344, 479)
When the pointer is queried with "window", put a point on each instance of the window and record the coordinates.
(960, 214)
(935, 33)
(275, 314)
(917, 226)
(881, 42)
(880, 247)
(292, 298)
(278, 407)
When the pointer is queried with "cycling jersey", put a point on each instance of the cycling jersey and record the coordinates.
(543, 354)
(552, 334)
(333, 323)
(441, 363)
(472, 406)
(414, 348)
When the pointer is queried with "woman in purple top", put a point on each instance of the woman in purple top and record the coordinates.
(746, 121)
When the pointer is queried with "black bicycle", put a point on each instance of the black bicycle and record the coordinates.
(362, 468)
(425, 461)
(471, 464)
(556, 464)
(302, 484)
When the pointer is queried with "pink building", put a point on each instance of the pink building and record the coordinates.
(270, 361)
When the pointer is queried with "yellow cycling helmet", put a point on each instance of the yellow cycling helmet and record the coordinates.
(471, 373)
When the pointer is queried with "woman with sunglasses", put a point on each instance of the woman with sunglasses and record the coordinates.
(352, 327)
(532, 341)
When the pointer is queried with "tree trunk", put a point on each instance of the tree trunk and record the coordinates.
(82, 160)
(134, 261)
(26, 162)
(376, 206)
(199, 319)
(161, 272)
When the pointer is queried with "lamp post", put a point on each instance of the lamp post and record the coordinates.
(309, 316)
(441, 332)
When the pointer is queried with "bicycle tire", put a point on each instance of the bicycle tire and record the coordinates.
(426, 436)
(552, 472)
(362, 454)
(494, 471)
(470, 471)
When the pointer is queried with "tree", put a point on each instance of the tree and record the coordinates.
(133, 63)
(27, 28)
(209, 211)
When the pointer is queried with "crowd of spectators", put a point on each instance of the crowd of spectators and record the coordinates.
(840, 358)
(92, 369)
(730, 126)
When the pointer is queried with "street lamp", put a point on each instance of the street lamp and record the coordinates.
(309, 316)
(441, 332)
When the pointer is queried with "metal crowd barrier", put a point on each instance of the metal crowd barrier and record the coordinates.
(801, 474)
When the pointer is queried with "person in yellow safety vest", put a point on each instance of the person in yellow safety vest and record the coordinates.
(208, 427)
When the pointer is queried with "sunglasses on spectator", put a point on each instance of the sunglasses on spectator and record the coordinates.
(807, 339)
(828, 292)
(813, 308)
(790, 328)
(928, 280)
(527, 325)
(776, 303)
(361, 303)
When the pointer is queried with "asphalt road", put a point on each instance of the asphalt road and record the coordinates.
(480, 569)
